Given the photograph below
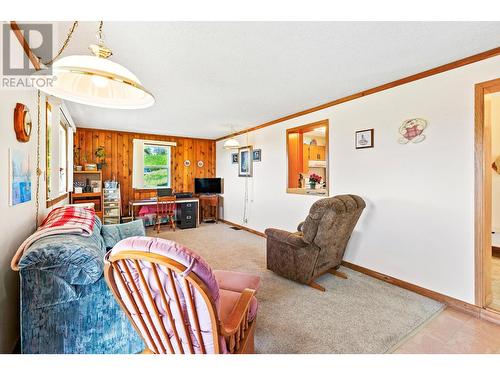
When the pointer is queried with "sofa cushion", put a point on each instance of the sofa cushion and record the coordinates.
(74, 258)
(114, 233)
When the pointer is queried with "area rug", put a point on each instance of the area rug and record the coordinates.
(357, 315)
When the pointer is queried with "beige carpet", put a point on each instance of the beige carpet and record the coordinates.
(358, 315)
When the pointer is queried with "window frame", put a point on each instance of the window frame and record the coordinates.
(168, 166)
(53, 148)
(66, 151)
(139, 145)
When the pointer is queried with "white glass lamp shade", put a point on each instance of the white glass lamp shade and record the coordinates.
(231, 143)
(97, 82)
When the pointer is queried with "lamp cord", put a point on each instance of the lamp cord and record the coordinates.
(245, 206)
(38, 170)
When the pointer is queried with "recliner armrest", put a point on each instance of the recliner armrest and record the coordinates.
(299, 227)
(283, 236)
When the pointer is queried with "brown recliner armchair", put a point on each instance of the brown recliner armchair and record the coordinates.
(319, 245)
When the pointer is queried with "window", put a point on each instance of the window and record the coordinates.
(307, 154)
(63, 154)
(58, 158)
(152, 164)
(48, 147)
(156, 166)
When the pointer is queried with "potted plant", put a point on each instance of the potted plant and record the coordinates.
(100, 155)
(313, 180)
(76, 158)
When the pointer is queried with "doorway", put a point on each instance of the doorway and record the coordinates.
(487, 194)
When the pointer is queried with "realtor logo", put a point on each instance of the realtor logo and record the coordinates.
(38, 37)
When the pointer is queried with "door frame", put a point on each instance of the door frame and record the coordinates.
(482, 195)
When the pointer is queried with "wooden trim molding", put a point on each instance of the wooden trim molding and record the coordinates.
(468, 308)
(450, 301)
(243, 228)
(482, 195)
(54, 201)
(427, 73)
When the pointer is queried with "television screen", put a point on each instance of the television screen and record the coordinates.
(207, 186)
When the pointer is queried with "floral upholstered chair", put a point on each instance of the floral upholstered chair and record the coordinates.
(177, 303)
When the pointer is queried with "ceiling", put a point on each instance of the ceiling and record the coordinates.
(210, 77)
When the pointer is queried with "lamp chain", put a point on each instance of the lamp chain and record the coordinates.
(38, 127)
(64, 45)
(38, 170)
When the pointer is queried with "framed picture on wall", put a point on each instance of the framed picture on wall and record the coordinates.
(234, 158)
(257, 155)
(364, 138)
(245, 161)
(19, 177)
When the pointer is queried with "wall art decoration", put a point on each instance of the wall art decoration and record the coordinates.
(496, 165)
(200, 164)
(257, 155)
(22, 122)
(187, 163)
(412, 131)
(19, 177)
(364, 138)
(245, 165)
(234, 158)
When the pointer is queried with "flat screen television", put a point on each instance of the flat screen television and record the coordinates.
(207, 185)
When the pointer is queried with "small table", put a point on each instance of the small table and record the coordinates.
(209, 207)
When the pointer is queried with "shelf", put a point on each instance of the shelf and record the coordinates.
(85, 195)
(87, 172)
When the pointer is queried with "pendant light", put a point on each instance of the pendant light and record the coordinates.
(94, 80)
(231, 143)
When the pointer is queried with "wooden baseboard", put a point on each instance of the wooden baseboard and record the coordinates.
(489, 315)
(450, 301)
(243, 228)
(468, 308)
(476, 311)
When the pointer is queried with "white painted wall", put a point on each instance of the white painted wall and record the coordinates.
(17, 222)
(419, 222)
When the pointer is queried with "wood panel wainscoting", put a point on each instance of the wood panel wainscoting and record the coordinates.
(119, 153)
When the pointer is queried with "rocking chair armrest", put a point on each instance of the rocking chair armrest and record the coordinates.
(241, 308)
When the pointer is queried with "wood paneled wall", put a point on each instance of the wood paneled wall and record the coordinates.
(119, 153)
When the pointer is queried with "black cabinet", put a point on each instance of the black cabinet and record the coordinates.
(188, 215)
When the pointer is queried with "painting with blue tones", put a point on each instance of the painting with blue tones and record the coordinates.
(20, 177)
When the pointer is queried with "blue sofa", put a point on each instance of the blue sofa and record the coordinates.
(66, 306)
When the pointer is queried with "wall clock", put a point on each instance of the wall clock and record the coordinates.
(22, 123)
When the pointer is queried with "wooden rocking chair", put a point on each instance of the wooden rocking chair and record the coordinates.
(175, 301)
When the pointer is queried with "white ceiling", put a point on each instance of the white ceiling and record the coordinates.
(210, 76)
